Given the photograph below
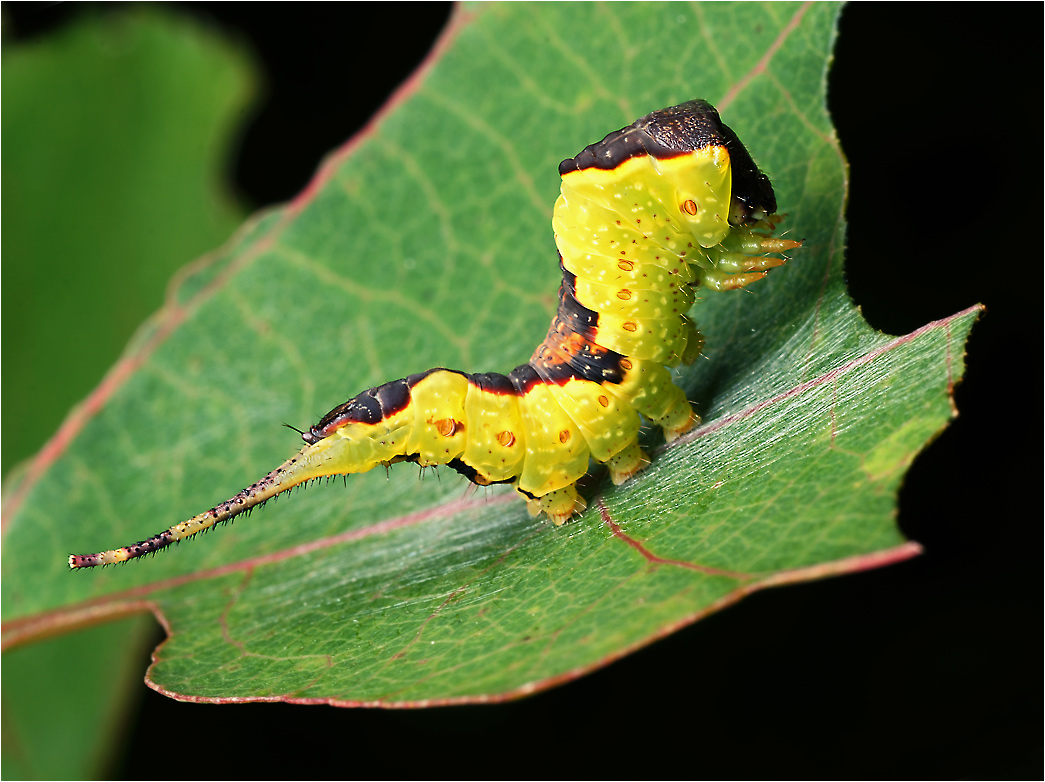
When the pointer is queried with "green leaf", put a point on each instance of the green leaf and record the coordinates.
(136, 103)
(425, 242)
(117, 170)
(72, 691)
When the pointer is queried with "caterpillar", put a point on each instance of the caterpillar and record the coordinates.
(668, 204)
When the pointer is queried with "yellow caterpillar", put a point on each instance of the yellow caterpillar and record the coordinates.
(654, 210)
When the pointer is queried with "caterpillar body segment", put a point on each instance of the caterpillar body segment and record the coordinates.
(646, 216)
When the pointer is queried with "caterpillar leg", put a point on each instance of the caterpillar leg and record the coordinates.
(738, 262)
(683, 420)
(694, 342)
(741, 258)
(649, 389)
(628, 462)
(753, 242)
(560, 504)
(721, 281)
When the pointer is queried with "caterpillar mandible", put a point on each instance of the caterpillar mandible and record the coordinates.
(667, 204)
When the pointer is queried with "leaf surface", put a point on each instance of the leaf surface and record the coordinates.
(425, 242)
(110, 184)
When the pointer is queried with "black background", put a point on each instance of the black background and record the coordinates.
(931, 668)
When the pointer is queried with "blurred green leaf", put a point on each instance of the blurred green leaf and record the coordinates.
(115, 130)
(66, 700)
(95, 117)
(426, 242)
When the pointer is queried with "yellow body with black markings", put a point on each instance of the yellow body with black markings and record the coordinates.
(668, 204)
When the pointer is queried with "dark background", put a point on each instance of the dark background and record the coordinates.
(931, 668)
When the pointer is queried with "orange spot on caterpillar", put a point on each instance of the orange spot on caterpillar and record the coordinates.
(446, 426)
(689, 206)
(623, 294)
(629, 326)
(506, 439)
(625, 265)
(625, 363)
(604, 401)
(564, 436)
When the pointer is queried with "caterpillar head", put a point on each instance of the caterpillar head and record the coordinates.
(694, 128)
(685, 156)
